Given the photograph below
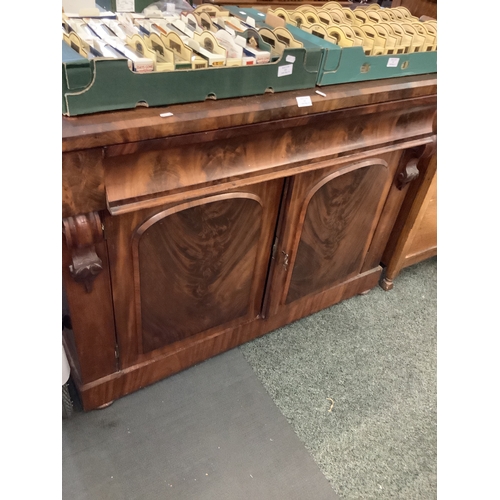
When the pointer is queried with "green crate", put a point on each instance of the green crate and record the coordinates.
(100, 84)
(343, 65)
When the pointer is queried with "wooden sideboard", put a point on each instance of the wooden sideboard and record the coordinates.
(188, 235)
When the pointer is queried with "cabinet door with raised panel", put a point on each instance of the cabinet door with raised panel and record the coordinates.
(331, 218)
(185, 271)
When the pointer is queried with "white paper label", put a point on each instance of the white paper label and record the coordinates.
(393, 62)
(260, 14)
(240, 40)
(290, 59)
(250, 21)
(165, 115)
(302, 102)
(285, 70)
(125, 6)
(226, 40)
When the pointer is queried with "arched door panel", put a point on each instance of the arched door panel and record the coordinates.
(186, 271)
(194, 269)
(337, 224)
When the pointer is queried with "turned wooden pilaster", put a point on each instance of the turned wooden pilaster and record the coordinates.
(82, 233)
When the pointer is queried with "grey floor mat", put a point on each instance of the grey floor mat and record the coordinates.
(209, 433)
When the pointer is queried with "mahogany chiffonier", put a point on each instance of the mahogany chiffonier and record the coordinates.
(185, 236)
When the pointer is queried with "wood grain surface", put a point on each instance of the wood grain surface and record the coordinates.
(167, 170)
(195, 268)
(340, 207)
(418, 7)
(183, 271)
(425, 237)
(92, 340)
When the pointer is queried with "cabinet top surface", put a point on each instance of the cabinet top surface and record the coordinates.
(120, 127)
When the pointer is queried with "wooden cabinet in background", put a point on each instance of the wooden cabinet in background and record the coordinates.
(186, 236)
(418, 8)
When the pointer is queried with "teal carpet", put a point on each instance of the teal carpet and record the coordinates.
(375, 357)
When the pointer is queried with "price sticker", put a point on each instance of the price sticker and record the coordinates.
(304, 101)
(125, 6)
(285, 70)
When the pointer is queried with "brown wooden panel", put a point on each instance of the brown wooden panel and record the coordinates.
(169, 168)
(418, 7)
(195, 268)
(182, 239)
(82, 182)
(426, 229)
(92, 339)
(338, 225)
(396, 196)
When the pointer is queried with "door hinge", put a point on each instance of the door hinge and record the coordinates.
(117, 352)
(285, 260)
(275, 248)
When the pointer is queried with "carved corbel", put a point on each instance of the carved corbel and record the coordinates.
(82, 233)
(411, 172)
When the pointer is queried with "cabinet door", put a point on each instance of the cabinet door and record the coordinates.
(185, 271)
(330, 221)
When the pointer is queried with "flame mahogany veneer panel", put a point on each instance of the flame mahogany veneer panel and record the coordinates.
(160, 170)
(183, 272)
(338, 222)
(196, 269)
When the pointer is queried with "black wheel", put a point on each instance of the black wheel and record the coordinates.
(67, 403)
